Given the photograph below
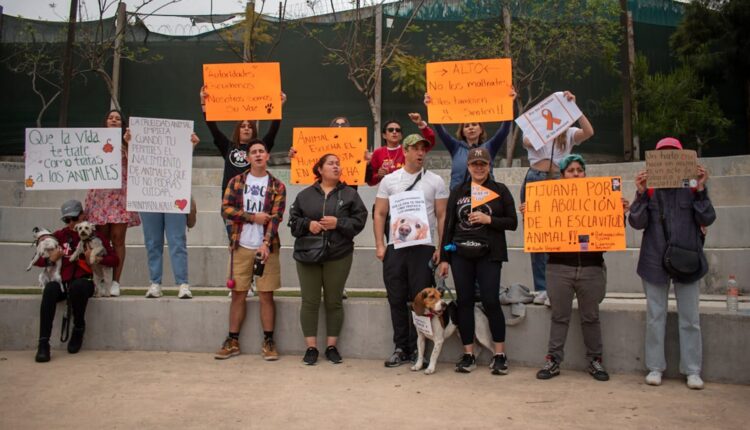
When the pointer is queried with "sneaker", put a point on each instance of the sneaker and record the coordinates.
(596, 370)
(694, 382)
(184, 292)
(550, 370)
(653, 378)
(230, 348)
(332, 354)
(398, 358)
(76, 340)
(114, 290)
(499, 364)
(311, 356)
(344, 295)
(467, 364)
(268, 350)
(541, 298)
(154, 291)
(42, 352)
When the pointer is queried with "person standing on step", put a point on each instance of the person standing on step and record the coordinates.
(77, 281)
(672, 217)
(390, 157)
(254, 204)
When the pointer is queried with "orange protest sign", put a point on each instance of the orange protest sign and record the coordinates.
(470, 91)
(574, 215)
(348, 143)
(481, 195)
(239, 91)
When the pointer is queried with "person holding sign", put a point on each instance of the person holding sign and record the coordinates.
(478, 214)
(405, 267)
(235, 151)
(107, 209)
(324, 218)
(579, 275)
(545, 164)
(672, 252)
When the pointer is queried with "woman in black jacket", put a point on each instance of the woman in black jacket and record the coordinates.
(478, 236)
(331, 210)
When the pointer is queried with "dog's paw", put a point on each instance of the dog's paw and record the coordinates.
(429, 371)
(416, 367)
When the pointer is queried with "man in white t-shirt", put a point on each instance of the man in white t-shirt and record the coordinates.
(254, 203)
(406, 270)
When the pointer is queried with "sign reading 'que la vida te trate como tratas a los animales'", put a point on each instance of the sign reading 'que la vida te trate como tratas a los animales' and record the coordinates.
(574, 215)
(311, 143)
(470, 91)
(240, 91)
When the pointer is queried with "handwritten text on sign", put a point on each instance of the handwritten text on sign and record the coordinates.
(672, 168)
(73, 158)
(239, 91)
(160, 162)
(548, 119)
(348, 143)
(574, 215)
(470, 91)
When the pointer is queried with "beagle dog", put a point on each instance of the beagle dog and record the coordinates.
(444, 322)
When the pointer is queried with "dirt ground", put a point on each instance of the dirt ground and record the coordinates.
(155, 390)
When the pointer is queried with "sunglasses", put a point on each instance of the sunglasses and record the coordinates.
(393, 130)
(340, 124)
(69, 219)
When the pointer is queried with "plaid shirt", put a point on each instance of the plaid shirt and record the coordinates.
(232, 208)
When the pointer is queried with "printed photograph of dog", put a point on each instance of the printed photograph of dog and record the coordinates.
(89, 240)
(45, 242)
(408, 228)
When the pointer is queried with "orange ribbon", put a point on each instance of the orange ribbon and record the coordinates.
(547, 114)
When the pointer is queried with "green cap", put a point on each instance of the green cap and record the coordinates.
(413, 139)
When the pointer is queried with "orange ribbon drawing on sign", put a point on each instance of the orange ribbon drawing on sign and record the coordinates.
(551, 120)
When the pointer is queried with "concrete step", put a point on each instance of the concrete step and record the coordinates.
(208, 267)
(200, 325)
(16, 225)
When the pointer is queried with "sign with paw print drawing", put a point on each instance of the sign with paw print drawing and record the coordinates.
(348, 143)
(160, 165)
(239, 91)
(73, 158)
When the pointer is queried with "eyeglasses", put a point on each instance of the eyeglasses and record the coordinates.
(340, 124)
(69, 219)
(393, 130)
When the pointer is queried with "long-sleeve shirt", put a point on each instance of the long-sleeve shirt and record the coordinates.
(70, 270)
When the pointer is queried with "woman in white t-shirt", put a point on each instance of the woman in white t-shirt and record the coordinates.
(545, 164)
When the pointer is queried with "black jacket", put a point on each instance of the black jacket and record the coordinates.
(343, 202)
(502, 211)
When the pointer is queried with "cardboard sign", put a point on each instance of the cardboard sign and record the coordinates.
(548, 119)
(73, 158)
(409, 222)
(672, 168)
(160, 165)
(422, 323)
(574, 215)
(481, 195)
(348, 143)
(239, 91)
(470, 91)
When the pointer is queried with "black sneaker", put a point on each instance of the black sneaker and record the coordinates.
(467, 364)
(551, 369)
(398, 358)
(499, 364)
(332, 354)
(76, 340)
(596, 370)
(42, 352)
(311, 356)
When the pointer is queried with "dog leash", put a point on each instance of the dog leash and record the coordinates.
(65, 327)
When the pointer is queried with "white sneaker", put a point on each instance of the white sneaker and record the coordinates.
(541, 298)
(694, 382)
(250, 293)
(654, 378)
(184, 292)
(114, 290)
(154, 291)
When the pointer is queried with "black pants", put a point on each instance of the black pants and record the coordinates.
(405, 273)
(466, 275)
(80, 291)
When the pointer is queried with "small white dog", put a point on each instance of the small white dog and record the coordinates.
(45, 242)
(89, 240)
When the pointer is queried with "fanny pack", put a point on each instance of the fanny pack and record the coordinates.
(472, 249)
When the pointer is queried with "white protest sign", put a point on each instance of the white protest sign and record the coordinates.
(548, 119)
(73, 158)
(160, 165)
(409, 221)
(422, 324)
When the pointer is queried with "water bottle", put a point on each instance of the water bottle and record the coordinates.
(732, 294)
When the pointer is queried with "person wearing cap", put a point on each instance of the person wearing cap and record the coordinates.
(685, 212)
(476, 229)
(77, 281)
(390, 157)
(581, 276)
(406, 270)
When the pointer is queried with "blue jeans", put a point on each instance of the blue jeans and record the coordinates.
(155, 225)
(538, 259)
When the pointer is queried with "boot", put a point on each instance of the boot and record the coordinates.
(76, 340)
(42, 352)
